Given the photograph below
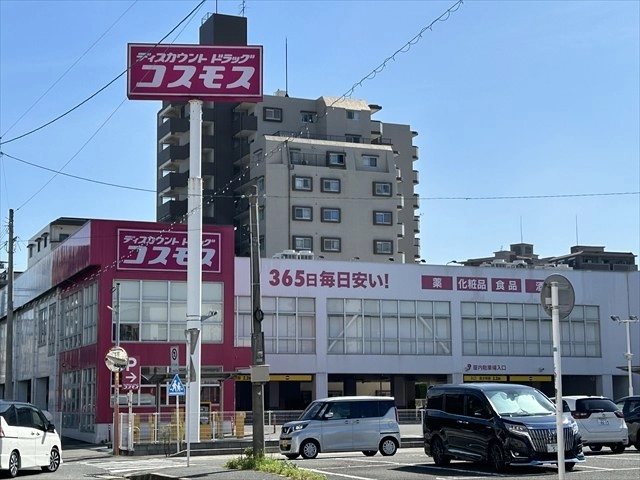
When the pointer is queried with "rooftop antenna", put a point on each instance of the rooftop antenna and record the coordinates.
(243, 6)
(286, 67)
(521, 240)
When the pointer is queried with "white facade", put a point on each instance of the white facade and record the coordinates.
(512, 341)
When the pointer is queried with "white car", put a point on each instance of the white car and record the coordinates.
(600, 421)
(27, 439)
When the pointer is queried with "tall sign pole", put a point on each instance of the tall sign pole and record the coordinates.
(558, 299)
(257, 336)
(194, 272)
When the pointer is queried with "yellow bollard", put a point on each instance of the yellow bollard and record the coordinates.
(240, 416)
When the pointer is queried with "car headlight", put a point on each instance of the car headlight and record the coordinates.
(300, 426)
(574, 427)
(517, 428)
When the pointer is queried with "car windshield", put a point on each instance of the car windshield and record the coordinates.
(520, 402)
(311, 411)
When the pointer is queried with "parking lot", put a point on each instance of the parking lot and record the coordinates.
(412, 463)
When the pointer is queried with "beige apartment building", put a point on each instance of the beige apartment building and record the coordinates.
(330, 179)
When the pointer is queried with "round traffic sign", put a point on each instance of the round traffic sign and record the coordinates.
(566, 296)
(116, 359)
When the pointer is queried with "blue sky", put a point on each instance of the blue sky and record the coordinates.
(528, 112)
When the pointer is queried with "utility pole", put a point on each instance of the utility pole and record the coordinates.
(8, 384)
(257, 336)
(116, 405)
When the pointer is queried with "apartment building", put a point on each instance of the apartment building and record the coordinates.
(330, 179)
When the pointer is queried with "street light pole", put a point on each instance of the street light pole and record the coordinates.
(628, 355)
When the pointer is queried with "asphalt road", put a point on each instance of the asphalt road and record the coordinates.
(407, 464)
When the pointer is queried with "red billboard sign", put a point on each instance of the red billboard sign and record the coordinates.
(164, 250)
(206, 72)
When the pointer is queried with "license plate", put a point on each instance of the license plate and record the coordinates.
(603, 421)
(552, 447)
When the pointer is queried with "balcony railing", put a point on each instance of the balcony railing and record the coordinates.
(332, 138)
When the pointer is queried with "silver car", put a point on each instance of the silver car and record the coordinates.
(343, 424)
(600, 421)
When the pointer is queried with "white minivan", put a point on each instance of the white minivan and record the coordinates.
(27, 439)
(343, 424)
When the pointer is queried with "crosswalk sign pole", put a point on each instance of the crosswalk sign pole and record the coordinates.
(177, 424)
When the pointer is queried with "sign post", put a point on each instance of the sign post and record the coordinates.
(176, 389)
(116, 360)
(558, 299)
(194, 74)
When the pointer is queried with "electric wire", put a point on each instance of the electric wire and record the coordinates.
(195, 9)
(69, 69)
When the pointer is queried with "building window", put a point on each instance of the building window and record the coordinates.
(302, 183)
(383, 247)
(330, 185)
(369, 161)
(288, 324)
(271, 114)
(331, 244)
(302, 243)
(382, 218)
(517, 330)
(353, 115)
(156, 310)
(382, 189)
(302, 213)
(335, 159)
(307, 117)
(331, 215)
(388, 327)
(43, 320)
(353, 138)
(261, 184)
(90, 315)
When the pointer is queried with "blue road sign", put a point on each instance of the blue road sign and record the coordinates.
(176, 387)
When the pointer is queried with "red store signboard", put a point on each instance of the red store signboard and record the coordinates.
(204, 72)
(164, 250)
(506, 285)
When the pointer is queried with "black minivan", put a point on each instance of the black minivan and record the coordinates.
(498, 423)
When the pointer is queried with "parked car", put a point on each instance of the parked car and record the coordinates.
(630, 407)
(343, 424)
(498, 423)
(27, 439)
(600, 421)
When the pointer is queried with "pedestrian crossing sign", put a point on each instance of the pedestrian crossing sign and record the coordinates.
(176, 387)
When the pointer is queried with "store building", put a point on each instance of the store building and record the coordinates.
(331, 327)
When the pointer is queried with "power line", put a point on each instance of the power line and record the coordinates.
(59, 172)
(101, 89)
(70, 68)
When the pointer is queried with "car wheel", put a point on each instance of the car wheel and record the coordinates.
(309, 449)
(54, 461)
(595, 448)
(388, 447)
(437, 452)
(497, 457)
(369, 453)
(291, 456)
(569, 466)
(14, 464)
(618, 448)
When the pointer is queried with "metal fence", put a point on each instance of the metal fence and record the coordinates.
(169, 428)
